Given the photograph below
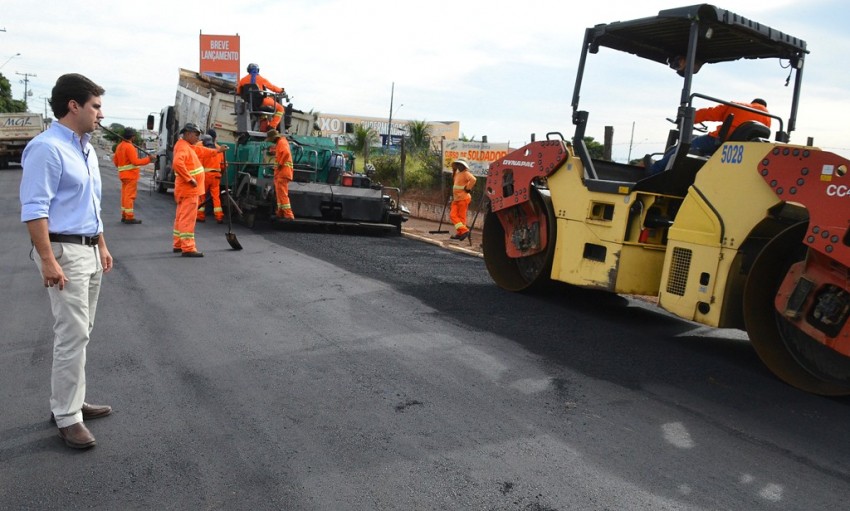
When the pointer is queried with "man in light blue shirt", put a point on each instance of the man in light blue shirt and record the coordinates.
(60, 204)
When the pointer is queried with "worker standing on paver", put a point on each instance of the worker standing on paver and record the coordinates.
(283, 173)
(127, 162)
(463, 183)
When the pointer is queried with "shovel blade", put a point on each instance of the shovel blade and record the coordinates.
(231, 239)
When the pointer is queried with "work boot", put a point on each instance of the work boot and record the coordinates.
(130, 221)
(77, 436)
(193, 254)
(463, 236)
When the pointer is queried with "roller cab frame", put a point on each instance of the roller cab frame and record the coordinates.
(754, 236)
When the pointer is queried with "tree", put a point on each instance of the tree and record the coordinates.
(594, 148)
(7, 104)
(362, 138)
(418, 136)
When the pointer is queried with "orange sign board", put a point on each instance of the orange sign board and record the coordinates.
(219, 55)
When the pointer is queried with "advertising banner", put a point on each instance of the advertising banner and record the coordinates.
(219, 55)
(479, 155)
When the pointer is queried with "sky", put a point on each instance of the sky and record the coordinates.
(503, 69)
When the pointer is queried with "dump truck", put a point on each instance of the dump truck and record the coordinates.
(324, 190)
(16, 130)
(753, 236)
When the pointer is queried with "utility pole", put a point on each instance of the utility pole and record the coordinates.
(26, 84)
(390, 124)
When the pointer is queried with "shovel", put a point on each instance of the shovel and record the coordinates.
(230, 235)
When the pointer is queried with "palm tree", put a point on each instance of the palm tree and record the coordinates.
(418, 135)
(362, 138)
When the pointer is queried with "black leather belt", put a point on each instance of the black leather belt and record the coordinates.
(79, 239)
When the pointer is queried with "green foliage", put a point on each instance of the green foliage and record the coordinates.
(361, 138)
(7, 104)
(117, 128)
(594, 148)
(387, 169)
(419, 172)
(418, 136)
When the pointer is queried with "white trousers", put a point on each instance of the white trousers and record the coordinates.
(73, 313)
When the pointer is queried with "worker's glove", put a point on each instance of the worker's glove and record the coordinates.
(467, 190)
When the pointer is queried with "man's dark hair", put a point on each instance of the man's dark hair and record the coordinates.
(759, 101)
(75, 87)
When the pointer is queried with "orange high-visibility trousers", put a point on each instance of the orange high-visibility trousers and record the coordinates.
(129, 182)
(184, 221)
(281, 190)
(212, 185)
(274, 122)
(458, 214)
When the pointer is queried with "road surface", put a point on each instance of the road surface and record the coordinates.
(343, 371)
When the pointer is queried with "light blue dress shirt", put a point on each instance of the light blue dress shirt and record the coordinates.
(61, 182)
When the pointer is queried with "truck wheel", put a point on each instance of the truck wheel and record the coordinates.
(525, 272)
(789, 353)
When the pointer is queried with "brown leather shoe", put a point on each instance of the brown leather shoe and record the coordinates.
(95, 411)
(77, 436)
(90, 412)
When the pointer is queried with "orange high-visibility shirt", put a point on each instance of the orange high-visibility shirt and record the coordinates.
(126, 158)
(186, 166)
(211, 160)
(261, 82)
(463, 180)
(720, 112)
(283, 157)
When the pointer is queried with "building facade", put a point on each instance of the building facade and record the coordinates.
(338, 126)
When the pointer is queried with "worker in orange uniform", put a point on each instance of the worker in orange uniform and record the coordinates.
(463, 183)
(188, 179)
(706, 145)
(213, 163)
(283, 173)
(127, 162)
(269, 103)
